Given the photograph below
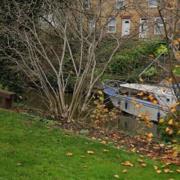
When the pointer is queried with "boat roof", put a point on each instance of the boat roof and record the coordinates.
(149, 88)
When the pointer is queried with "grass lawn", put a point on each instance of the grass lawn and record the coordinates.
(31, 149)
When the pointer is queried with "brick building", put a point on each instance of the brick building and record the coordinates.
(138, 18)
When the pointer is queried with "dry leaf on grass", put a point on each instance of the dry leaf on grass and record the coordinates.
(105, 150)
(127, 163)
(143, 164)
(69, 154)
(116, 176)
(158, 171)
(125, 171)
(90, 152)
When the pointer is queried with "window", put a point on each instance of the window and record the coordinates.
(86, 4)
(119, 4)
(112, 25)
(159, 27)
(153, 3)
(91, 25)
(143, 28)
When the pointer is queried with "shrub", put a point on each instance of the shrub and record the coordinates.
(133, 59)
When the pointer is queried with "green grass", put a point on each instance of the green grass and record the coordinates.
(31, 149)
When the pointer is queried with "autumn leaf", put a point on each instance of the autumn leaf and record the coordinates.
(116, 176)
(105, 150)
(127, 163)
(90, 152)
(93, 138)
(124, 171)
(140, 94)
(69, 154)
(158, 171)
(143, 164)
(169, 131)
(171, 122)
(140, 160)
(103, 142)
(155, 167)
(173, 110)
(141, 79)
(166, 170)
(149, 136)
(161, 121)
(161, 145)
(154, 102)
(133, 150)
(178, 170)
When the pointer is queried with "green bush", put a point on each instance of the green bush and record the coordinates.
(133, 59)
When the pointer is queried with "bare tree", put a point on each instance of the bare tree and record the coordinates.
(76, 45)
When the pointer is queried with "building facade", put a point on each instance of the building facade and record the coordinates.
(137, 18)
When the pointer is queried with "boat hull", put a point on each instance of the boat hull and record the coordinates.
(138, 107)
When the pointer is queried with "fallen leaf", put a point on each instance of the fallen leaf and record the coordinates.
(178, 170)
(127, 163)
(171, 122)
(155, 167)
(161, 145)
(105, 150)
(103, 142)
(90, 152)
(125, 171)
(82, 156)
(158, 171)
(116, 176)
(161, 121)
(19, 164)
(69, 154)
(166, 170)
(143, 164)
(169, 131)
(140, 160)
(133, 150)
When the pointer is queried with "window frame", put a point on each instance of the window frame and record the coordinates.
(141, 25)
(86, 5)
(119, 7)
(92, 24)
(109, 21)
(156, 25)
(151, 5)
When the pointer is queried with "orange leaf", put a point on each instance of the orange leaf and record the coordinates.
(143, 164)
(125, 171)
(69, 154)
(158, 171)
(127, 163)
(116, 176)
(90, 152)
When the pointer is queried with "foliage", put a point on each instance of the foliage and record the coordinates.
(151, 72)
(11, 17)
(132, 59)
(170, 127)
(10, 79)
(162, 49)
(176, 70)
(101, 116)
(31, 148)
